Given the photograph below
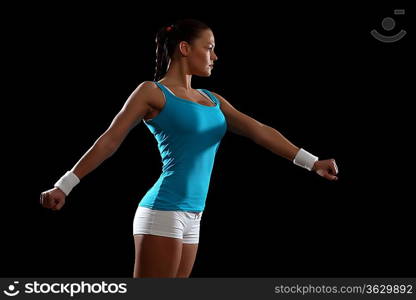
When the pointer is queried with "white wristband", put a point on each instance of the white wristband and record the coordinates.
(304, 159)
(67, 182)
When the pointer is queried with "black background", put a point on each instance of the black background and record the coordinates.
(311, 71)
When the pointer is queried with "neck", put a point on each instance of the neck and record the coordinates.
(178, 76)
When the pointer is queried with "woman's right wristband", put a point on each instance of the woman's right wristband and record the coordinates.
(67, 182)
(305, 159)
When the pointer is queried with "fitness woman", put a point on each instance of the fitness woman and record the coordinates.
(188, 125)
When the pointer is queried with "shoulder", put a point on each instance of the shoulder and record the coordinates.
(149, 91)
(217, 95)
(148, 87)
(144, 89)
(223, 102)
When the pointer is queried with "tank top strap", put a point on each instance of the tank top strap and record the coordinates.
(169, 93)
(163, 88)
(213, 98)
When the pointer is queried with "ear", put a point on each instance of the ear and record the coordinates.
(184, 48)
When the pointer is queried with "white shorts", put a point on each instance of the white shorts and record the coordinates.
(171, 223)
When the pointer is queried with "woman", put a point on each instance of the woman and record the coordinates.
(188, 125)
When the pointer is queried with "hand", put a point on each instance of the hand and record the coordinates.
(53, 199)
(326, 168)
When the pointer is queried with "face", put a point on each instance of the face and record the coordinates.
(200, 54)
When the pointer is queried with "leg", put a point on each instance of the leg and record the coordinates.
(156, 256)
(187, 260)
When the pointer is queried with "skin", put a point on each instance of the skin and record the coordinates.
(191, 59)
(158, 256)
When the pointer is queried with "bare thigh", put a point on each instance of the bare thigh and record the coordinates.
(187, 260)
(156, 256)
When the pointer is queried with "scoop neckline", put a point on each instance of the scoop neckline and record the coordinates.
(190, 101)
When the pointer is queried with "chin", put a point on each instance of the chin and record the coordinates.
(203, 75)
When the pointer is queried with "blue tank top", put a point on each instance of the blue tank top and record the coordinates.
(188, 135)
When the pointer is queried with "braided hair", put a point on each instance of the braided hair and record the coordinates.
(167, 39)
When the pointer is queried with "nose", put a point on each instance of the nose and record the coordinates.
(214, 56)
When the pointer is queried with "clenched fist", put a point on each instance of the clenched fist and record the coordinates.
(53, 199)
(326, 168)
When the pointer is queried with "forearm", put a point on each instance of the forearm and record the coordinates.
(100, 151)
(274, 141)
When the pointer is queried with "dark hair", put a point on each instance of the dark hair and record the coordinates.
(168, 37)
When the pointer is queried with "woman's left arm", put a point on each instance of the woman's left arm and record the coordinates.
(269, 138)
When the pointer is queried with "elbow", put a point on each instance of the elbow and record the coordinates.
(108, 143)
(259, 134)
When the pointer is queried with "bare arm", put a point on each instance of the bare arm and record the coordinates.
(270, 138)
(263, 135)
(274, 141)
(99, 151)
(133, 111)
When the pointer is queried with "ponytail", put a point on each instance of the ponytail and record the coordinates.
(162, 58)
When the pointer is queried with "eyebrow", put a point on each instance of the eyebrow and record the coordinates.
(211, 43)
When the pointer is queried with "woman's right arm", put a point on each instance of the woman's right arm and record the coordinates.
(132, 112)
